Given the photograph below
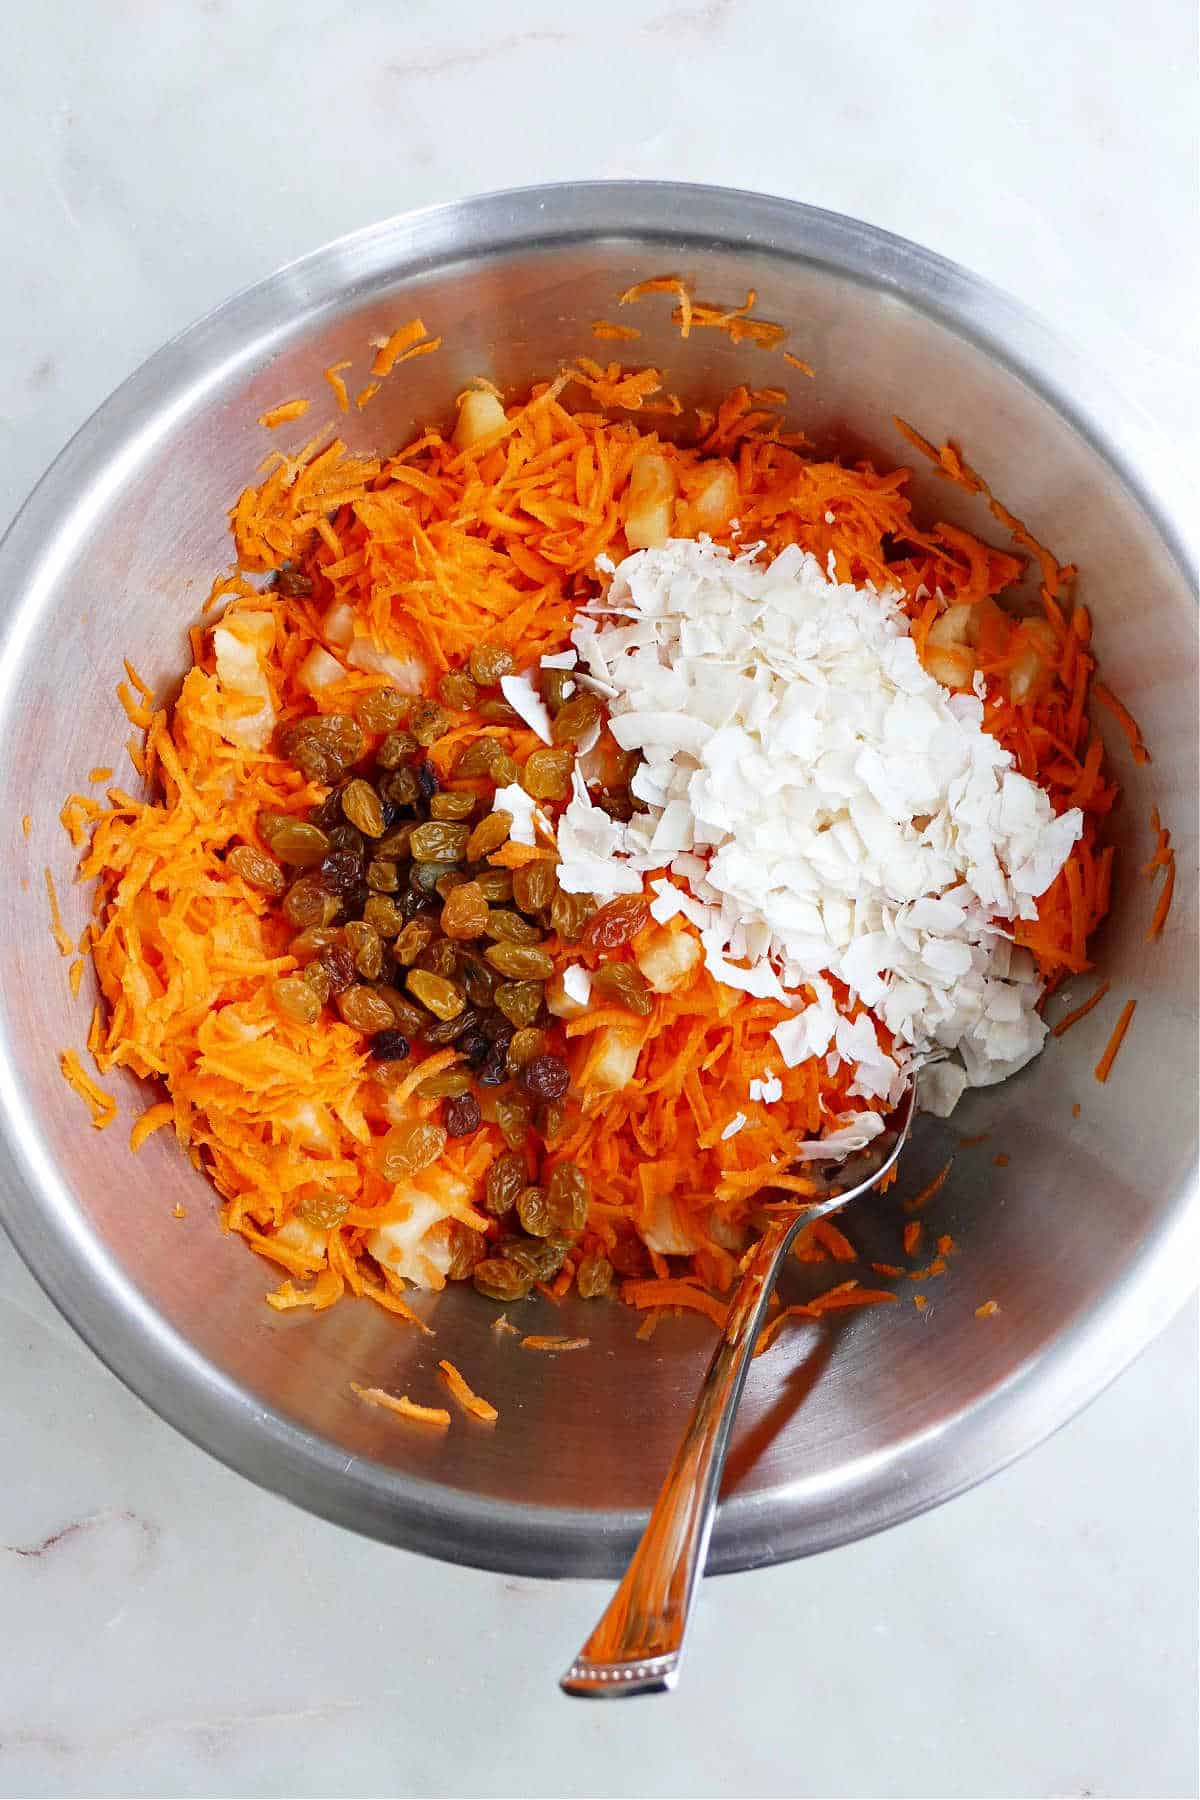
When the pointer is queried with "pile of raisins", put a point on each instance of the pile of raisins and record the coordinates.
(402, 926)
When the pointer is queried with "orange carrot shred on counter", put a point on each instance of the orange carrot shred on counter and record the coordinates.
(366, 394)
(988, 1310)
(920, 1302)
(75, 977)
(103, 773)
(283, 414)
(26, 824)
(402, 1405)
(601, 328)
(1072, 1018)
(795, 363)
(537, 1342)
(912, 1237)
(1104, 1066)
(464, 1393)
(1000, 1160)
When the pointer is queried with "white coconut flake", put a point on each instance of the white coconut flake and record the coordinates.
(564, 659)
(734, 1126)
(524, 698)
(524, 813)
(577, 983)
(831, 808)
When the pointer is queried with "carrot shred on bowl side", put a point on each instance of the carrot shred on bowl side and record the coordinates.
(402, 1405)
(1104, 1066)
(464, 1393)
(426, 555)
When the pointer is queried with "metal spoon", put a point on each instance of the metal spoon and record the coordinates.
(637, 1646)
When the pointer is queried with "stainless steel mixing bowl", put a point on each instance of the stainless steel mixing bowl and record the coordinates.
(1086, 1239)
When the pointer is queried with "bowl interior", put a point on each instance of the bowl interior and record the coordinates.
(844, 1427)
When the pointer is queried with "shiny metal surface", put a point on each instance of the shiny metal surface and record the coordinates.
(638, 1642)
(1087, 1239)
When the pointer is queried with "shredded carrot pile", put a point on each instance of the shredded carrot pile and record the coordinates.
(430, 552)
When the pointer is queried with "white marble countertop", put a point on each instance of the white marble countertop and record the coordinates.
(167, 1628)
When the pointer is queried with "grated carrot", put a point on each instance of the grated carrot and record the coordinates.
(1125, 720)
(912, 1237)
(58, 931)
(75, 977)
(401, 1404)
(102, 1106)
(1000, 1160)
(100, 774)
(333, 375)
(389, 349)
(601, 328)
(927, 1193)
(920, 1302)
(151, 1120)
(434, 551)
(987, 1311)
(536, 1342)
(283, 414)
(1080, 1012)
(1165, 897)
(795, 363)
(466, 1396)
(1104, 1066)
(26, 824)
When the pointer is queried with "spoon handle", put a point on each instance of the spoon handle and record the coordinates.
(637, 1645)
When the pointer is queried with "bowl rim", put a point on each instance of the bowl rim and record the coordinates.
(102, 1303)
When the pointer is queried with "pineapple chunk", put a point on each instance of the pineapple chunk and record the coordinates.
(616, 1065)
(479, 414)
(667, 958)
(649, 502)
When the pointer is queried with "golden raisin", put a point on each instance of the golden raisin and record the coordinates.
(520, 1002)
(524, 1045)
(365, 1010)
(428, 722)
(488, 835)
(489, 663)
(451, 806)
(384, 709)
(442, 998)
(361, 805)
(520, 962)
(465, 914)
(547, 774)
(594, 1276)
(294, 999)
(414, 938)
(407, 1149)
(457, 691)
(534, 885)
(576, 718)
(256, 870)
